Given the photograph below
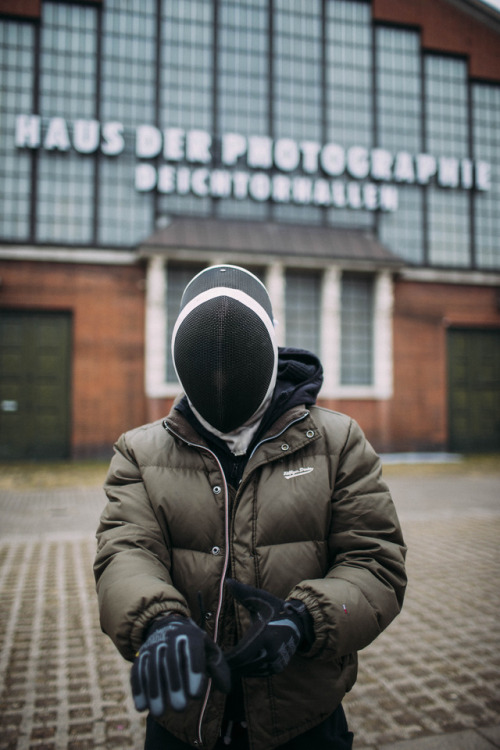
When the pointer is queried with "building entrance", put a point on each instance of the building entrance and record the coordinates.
(35, 357)
(474, 390)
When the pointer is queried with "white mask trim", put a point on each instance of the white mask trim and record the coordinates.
(223, 291)
(224, 266)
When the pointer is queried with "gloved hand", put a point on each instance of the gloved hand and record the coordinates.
(174, 664)
(277, 629)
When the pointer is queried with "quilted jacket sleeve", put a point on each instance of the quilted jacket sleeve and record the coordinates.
(364, 588)
(132, 564)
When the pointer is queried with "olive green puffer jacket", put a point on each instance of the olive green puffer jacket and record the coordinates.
(311, 520)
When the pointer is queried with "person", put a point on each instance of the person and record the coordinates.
(249, 547)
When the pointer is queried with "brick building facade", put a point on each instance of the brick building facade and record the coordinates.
(346, 151)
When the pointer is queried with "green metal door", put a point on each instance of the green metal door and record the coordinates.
(35, 355)
(474, 389)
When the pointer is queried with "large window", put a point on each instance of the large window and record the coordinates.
(186, 81)
(399, 128)
(16, 86)
(447, 133)
(296, 74)
(486, 130)
(303, 309)
(65, 190)
(357, 317)
(243, 84)
(349, 87)
(128, 91)
(297, 83)
(344, 317)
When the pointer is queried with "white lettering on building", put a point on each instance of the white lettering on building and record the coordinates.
(448, 174)
(256, 166)
(28, 131)
(426, 168)
(86, 136)
(113, 142)
(403, 168)
(234, 146)
(483, 175)
(261, 187)
(57, 136)
(381, 168)
(260, 152)
(358, 162)
(148, 141)
(286, 154)
(173, 148)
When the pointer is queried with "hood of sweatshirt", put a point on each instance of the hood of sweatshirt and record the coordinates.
(299, 380)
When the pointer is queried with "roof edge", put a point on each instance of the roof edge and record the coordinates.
(199, 237)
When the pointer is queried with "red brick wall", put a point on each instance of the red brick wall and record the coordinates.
(159, 408)
(372, 415)
(447, 29)
(107, 305)
(423, 313)
(416, 418)
(21, 8)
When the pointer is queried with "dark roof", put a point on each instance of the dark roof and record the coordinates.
(297, 240)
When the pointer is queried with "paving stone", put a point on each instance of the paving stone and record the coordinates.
(431, 681)
(456, 741)
(492, 734)
(451, 610)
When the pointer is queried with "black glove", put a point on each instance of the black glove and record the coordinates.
(174, 664)
(277, 629)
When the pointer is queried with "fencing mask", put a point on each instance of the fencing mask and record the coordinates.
(224, 347)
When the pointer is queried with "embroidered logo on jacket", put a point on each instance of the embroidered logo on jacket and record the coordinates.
(298, 472)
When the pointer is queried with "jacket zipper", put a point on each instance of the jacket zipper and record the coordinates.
(278, 434)
(226, 561)
(226, 535)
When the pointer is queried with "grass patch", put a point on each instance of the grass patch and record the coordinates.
(41, 475)
(468, 465)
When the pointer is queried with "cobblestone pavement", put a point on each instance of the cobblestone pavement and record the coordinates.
(430, 682)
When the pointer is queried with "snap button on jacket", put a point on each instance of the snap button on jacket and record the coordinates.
(313, 522)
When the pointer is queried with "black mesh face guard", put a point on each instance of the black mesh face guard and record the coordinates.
(225, 360)
(223, 346)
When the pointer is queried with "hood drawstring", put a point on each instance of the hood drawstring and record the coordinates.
(228, 737)
(229, 732)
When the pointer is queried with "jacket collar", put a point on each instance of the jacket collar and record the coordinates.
(177, 423)
(300, 376)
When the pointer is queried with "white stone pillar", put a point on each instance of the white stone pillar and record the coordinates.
(330, 329)
(383, 345)
(156, 327)
(275, 284)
